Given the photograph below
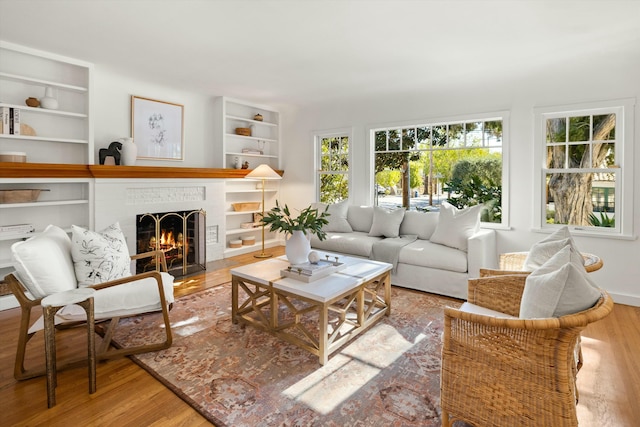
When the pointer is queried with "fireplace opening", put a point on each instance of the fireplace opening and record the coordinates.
(180, 235)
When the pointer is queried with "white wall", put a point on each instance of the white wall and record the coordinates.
(112, 113)
(581, 81)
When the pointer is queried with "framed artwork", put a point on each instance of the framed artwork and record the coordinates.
(157, 128)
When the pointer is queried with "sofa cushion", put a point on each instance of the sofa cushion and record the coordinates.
(355, 243)
(99, 256)
(386, 222)
(43, 262)
(455, 226)
(360, 217)
(542, 251)
(421, 224)
(337, 216)
(559, 287)
(424, 253)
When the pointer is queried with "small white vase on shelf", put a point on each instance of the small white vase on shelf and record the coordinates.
(129, 152)
(49, 101)
(297, 247)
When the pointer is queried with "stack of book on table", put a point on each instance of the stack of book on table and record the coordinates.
(308, 272)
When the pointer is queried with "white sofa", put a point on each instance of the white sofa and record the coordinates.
(421, 264)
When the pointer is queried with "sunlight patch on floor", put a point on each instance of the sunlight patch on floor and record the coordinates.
(187, 327)
(345, 372)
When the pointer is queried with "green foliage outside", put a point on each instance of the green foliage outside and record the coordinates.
(334, 161)
(603, 221)
(478, 181)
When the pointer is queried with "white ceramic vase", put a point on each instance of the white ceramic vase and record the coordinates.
(297, 247)
(129, 152)
(49, 102)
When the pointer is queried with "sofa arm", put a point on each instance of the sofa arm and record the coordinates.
(482, 252)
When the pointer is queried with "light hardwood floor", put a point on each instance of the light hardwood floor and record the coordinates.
(609, 382)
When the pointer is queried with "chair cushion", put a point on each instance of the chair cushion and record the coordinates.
(43, 262)
(99, 256)
(543, 250)
(560, 287)
(337, 216)
(468, 307)
(386, 222)
(455, 226)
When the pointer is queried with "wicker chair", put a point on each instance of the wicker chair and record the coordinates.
(513, 261)
(511, 372)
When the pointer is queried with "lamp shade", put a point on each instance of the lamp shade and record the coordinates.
(263, 172)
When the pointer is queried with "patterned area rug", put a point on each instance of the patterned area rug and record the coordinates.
(238, 376)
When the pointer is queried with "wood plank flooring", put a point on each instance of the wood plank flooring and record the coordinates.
(609, 382)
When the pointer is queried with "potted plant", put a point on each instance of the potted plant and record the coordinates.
(309, 221)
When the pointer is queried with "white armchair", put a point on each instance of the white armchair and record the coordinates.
(44, 266)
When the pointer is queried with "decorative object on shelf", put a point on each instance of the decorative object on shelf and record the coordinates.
(243, 131)
(236, 163)
(245, 165)
(263, 173)
(26, 130)
(32, 102)
(245, 206)
(257, 117)
(13, 156)
(158, 128)
(237, 243)
(20, 196)
(129, 152)
(49, 101)
(251, 151)
(308, 221)
(113, 151)
(248, 240)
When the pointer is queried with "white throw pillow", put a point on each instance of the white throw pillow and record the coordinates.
(455, 226)
(386, 222)
(360, 218)
(99, 256)
(543, 250)
(559, 287)
(337, 216)
(43, 262)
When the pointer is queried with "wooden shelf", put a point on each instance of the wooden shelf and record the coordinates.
(55, 170)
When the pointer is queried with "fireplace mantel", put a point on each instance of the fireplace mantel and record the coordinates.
(56, 170)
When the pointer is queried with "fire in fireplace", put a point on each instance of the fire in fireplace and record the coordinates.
(180, 235)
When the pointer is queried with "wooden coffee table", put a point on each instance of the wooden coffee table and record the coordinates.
(320, 316)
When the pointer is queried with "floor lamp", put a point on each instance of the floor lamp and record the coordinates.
(263, 173)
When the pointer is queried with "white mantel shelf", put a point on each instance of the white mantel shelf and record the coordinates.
(55, 170)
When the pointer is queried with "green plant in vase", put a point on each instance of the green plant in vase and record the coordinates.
(308, 221)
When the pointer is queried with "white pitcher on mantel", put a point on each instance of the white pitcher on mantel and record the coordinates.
(129, 152)
(298, 247)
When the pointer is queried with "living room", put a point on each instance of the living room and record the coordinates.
(471, 59)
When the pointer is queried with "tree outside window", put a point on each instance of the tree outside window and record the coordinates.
(417, 167)
(333, 168)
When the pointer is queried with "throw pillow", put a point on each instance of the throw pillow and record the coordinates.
(455, 226)
(43, 262)
(547, 247)
(99, 256)
(386, 222)
(559, 287)
(337, 216)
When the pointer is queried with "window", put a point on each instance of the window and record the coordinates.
(461, 161)
(333, 167)
(583, 182)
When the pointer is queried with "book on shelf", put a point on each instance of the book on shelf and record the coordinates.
(5, 116)
(15, 121)
(251, 151)
(24, 228)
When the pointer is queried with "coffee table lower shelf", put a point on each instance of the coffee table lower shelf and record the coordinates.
(316, 324)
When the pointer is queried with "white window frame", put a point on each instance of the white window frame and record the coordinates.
(624, 110)
(504, 115)
(318, 136)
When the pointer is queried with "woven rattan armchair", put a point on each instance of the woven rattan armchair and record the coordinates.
(510, 371)
(513, 261)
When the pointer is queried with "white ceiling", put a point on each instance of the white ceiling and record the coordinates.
(302, 51)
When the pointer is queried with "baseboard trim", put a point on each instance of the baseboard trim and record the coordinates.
(625, 299)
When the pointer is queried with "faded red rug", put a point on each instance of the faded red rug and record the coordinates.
(238, 376)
